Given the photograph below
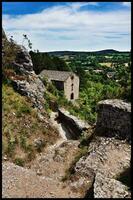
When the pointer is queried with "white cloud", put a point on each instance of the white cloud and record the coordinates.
(127, 4)
(61, 28)
(78, 5)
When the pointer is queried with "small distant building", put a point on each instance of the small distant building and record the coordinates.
(110, 74)
(65, 81)
(98, 71)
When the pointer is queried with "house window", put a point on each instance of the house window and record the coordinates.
(72, 77)
(72, 86)
(72, 96)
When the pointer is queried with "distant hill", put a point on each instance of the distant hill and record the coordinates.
(106, 51)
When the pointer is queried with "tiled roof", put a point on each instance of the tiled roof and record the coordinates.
(56, 75)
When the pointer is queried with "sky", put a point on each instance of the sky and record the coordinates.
(75, 26)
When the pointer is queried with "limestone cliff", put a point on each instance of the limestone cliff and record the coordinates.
(23, 78)
(29, 83)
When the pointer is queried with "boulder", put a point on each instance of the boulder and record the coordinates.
(109, 188)
(74, 125)
(39, 143)
(106, 155)
(82, 182)
(114, 119)
(108, 158)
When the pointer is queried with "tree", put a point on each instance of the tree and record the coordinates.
(43, 61)
(60, 64)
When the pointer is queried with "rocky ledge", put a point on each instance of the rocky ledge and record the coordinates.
(114, 119)
(108, 158)
(74, 125)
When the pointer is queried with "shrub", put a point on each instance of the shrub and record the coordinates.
(23, 142)
(19, 161)
(4, 145)
(11, 145)
(24, 109)
(30, 152)
(45, 81)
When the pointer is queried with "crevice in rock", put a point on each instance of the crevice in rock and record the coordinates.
(69, 133)
(72, 124)
(125, 177)
(90, 192)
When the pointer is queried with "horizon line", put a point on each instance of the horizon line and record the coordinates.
(84, 50)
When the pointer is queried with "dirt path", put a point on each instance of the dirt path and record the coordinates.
(19, 182)
(44, 178)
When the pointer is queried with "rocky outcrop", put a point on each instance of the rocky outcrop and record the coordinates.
(23, 61)
(114, 119)
(23, 78)
(82, 182)
(25, 81)
(73, 125)
(109, 188)
(3, 35)
(108, 158)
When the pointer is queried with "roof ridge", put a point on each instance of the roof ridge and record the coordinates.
(57, 71)
(56, 74)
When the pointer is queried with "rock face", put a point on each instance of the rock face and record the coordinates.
(83, 181)
(27, 82)
(72, 123)
(24, 79)
(114, 119)
(109, 188)
(23, 61)
(108, 158)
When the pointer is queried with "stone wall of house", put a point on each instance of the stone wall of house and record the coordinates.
(68, 87)
(114, 119)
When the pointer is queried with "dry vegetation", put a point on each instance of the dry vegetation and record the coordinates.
(21, 126)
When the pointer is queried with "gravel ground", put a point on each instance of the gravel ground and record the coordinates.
(43, 179)
(18, 182)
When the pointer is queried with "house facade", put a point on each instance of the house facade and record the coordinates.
(68, 82)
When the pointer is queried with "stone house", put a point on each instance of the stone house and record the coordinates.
(64, 81)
